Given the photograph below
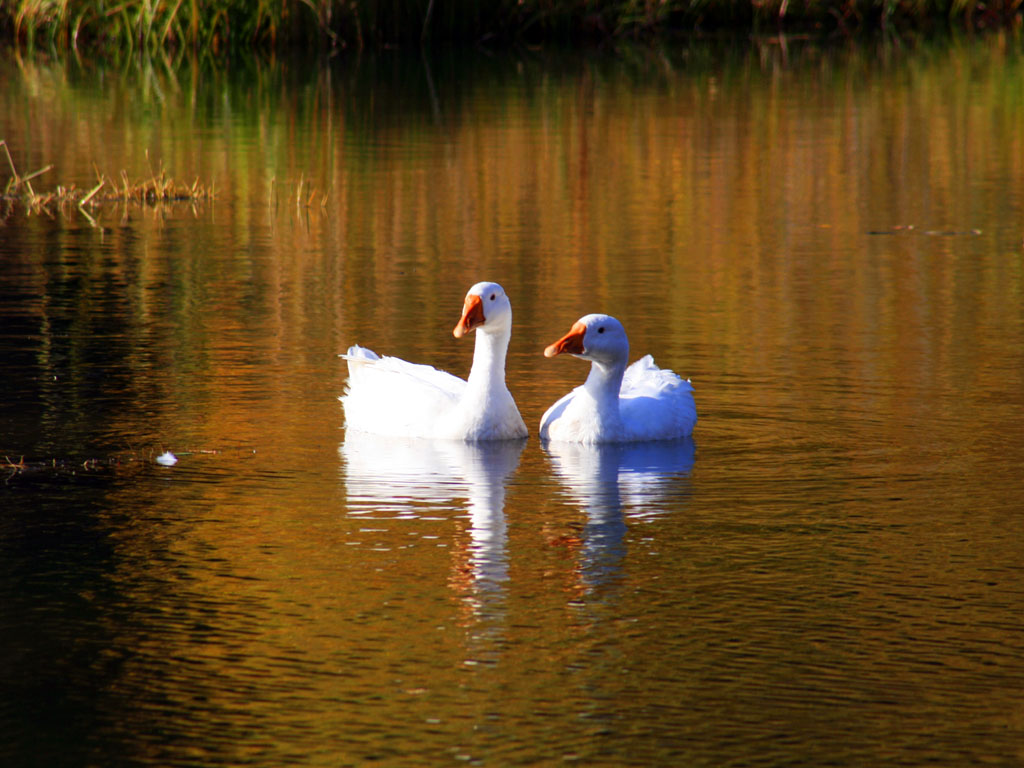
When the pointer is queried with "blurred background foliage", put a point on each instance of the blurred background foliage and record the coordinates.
(219, 26)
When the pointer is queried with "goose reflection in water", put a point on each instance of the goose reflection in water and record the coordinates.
(405, 477)
(615, 481)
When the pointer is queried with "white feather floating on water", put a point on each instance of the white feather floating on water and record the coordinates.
(167, 459)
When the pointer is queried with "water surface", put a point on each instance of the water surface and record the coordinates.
(826, 240)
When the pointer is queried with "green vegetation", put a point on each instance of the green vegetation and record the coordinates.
(232, 25)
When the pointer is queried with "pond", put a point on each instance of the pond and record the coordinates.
(827, 240)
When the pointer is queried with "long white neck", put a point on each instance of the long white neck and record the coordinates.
(603, 385)
(488, 371)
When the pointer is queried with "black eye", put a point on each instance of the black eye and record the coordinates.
(493, 295)
(601, 329)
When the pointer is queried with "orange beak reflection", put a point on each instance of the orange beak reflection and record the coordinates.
(472, 316)
(571, 343)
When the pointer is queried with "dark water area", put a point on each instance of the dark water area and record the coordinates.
(826, 240)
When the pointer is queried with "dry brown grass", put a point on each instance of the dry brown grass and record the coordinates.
(157, 189)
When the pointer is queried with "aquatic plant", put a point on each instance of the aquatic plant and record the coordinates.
(144, 24)
(158, 188)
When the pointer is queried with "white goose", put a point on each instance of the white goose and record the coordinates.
(616, 404)
(388, 396)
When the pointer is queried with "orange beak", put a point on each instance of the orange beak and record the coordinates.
(472, 316)
(571, 343)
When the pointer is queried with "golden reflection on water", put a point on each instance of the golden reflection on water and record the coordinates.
(827, 241)
(742, 196)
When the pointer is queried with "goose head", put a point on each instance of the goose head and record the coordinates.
(487, 308)
(598, 338)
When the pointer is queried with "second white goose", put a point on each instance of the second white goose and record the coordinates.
(616, 404)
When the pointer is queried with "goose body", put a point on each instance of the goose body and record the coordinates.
(389, 396)
(616, 404)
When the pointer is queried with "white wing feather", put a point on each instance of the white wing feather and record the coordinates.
(389, 396)
(655, 403)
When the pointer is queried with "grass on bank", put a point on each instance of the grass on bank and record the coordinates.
(158, 188)
(237, 25)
